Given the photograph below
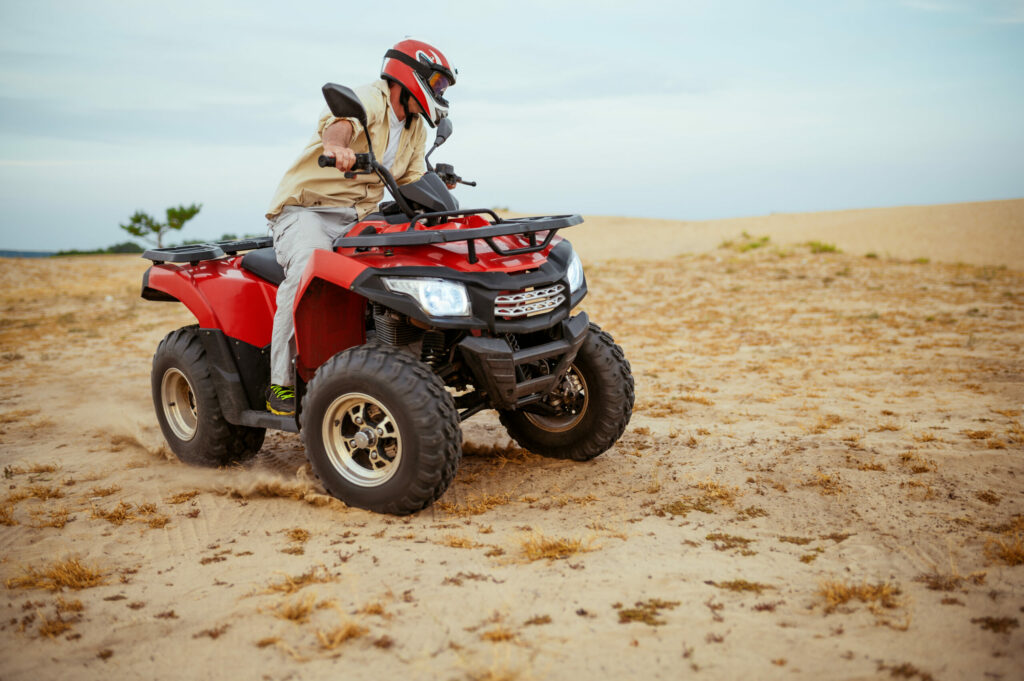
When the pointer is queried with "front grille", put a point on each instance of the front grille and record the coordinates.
(529, 302)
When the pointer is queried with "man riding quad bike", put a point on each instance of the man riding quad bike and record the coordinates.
(417, 317)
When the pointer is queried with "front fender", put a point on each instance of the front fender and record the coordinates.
(328, 316)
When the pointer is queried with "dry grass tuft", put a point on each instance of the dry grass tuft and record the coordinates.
(1009, 551)
(916, 464)
(329, 640)
(837, 593)
(298, 535)
(997, 625)
(69, 606)
(118, 515)
(949, 582)
(57, 517)
(827, 483)
(290, 585)
(905, 671)
(989, 497)
(538, 547)
(7, 515)
(499, 634)
(297, 611)
(647, 612)
(825, 423)
(711, 493)
(182, 497)
(458, 542)
(41, 492)
(34, 469)
(52, 628)
(71, 573)
(104, 491)
(742, 585)
(799, 541)
(476, 504)
(728, 542)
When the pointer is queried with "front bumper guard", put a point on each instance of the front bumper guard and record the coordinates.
(494, 363)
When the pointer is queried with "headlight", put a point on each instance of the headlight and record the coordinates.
(437, 297)
(574, 273)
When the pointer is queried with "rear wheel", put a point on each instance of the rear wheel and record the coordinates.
(188, 409)
(588, 411)
(381, 432)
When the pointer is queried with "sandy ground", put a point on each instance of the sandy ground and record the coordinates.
(822, 479)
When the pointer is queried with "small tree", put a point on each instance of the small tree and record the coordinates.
(145, 227)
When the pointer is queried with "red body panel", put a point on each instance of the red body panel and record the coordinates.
(328, 317)
(222, 296)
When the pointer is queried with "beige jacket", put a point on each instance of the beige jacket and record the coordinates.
(307, 184)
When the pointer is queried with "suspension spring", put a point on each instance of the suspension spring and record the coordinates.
(433, 352)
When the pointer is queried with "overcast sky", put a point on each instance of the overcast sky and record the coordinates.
(686, 110)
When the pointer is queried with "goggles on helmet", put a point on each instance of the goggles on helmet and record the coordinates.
(438, 83)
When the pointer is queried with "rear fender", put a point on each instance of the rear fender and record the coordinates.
(220, 295)
(329, 317)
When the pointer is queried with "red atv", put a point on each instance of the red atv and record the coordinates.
(421, 316)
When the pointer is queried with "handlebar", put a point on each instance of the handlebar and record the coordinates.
(447, 173)
(362, 164)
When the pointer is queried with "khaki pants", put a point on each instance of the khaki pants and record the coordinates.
(297, 232)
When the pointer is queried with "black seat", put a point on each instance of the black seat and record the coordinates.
(263, 263)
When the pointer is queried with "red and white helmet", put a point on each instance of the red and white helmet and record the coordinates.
(425, 74)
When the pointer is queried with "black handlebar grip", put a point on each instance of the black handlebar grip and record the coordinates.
(362, 162)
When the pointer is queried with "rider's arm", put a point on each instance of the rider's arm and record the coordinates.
(336, 138)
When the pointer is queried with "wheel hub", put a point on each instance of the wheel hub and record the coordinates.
(365, 439)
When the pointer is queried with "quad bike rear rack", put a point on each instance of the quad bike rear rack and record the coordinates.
(527, 228)
(196, 253)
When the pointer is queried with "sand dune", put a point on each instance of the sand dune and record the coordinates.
(990, 233)
(822, 479)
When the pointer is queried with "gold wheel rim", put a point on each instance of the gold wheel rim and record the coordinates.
(362, 440)
(562, 423)
(179, 404)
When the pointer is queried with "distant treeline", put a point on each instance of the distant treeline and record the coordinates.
(123, 247)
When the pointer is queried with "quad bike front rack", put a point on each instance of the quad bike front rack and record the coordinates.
(527, 228)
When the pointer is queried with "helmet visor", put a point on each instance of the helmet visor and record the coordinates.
(438, 83)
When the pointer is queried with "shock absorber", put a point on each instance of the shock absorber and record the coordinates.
(433, 353)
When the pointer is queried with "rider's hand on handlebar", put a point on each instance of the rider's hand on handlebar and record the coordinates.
(344, 158)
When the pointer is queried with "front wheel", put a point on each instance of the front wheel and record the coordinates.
(188, 409)
(380, 430)
(589, 410)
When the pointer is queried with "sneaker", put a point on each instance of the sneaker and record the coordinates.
(281, 400)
